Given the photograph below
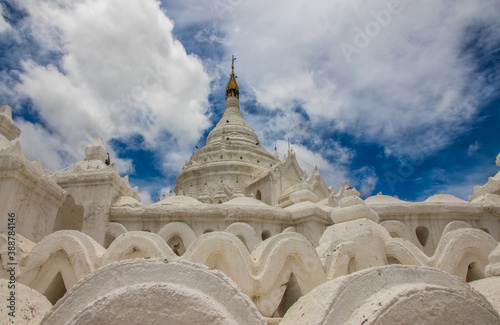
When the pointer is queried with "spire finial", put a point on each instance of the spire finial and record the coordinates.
(232, 87)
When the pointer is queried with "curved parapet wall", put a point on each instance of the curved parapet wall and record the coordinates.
(135, 244)
(115, 229)
(179, 292)
(246, 233)
(398, 229)
(179, 235)
(275, 273)
(261, 274)
(276, 260)
(394, 294)
(366, 246)
(71, 253)
(464, 253)
(225, 252)
(454, 225)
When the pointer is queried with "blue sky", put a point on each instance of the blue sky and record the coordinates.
(400, 97)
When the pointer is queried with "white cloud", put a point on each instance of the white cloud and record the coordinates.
(54, 152)
(365, 180)
(411, 83)
(122, 74)
(145, 196)
(153, 189)
(473, 148)
(38, 143)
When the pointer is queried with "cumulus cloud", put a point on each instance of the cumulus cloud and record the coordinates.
(411, 78)
(38, 143)
(145, 196)
(122, 74)
(366, 180)
(54, 152)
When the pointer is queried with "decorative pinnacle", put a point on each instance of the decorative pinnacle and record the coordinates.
(232, 88)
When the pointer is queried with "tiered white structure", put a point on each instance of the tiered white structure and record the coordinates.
(248, 239)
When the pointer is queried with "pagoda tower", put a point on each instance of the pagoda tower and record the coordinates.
(231, 158)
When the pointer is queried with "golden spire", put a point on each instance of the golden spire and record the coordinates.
(232, 88)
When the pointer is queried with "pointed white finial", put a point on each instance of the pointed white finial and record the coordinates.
(96, 150)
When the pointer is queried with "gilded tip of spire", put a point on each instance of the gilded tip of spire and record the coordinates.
(232, 88)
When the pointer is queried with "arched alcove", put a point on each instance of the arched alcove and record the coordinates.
(114, 231)
(393, 260)
(177, 244)
(243, 240)
(474, 273)
(56, 289)
(69, 216)
(422, 235)
(265, 234)
(108, 240)
(258, 195)
(292, 293)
